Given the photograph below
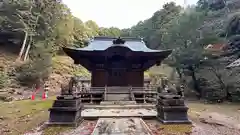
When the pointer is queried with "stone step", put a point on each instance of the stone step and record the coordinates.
(121, 126)
(118, 97)
(117, 102)
(117, 106)
(109, 113)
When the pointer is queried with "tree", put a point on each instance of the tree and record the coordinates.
(233, 25)
(187, 51)
(19, 16)
(211, 4)
(112, 32)
(93, 28)
(64, 31)
(80, 33)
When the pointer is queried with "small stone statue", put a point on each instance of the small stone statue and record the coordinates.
(72, 85)
(64, 89)
(180, 90)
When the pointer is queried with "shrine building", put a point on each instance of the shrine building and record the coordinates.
(117, 62)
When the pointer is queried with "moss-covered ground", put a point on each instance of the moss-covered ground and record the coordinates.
(17, 117)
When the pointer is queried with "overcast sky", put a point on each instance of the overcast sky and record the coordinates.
(118, 13)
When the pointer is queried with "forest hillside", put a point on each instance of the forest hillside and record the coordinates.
(204, 39)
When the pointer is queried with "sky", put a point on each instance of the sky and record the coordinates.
(117, 13)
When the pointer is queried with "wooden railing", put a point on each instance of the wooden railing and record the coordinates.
(116, 89)
(105, 93)
(141, 94)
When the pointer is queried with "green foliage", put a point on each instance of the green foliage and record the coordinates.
(152, 29)
(49, 26)
(115, 32)
(211, 4)
(32, 73)
(63, 65)
(187, 32)
(38, 69)
(49, 20)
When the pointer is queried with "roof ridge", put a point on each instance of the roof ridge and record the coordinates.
(114, 38)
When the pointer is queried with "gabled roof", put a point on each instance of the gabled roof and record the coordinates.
(103, 43)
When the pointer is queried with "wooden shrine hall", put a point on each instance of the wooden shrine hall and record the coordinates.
(117, 62)
(117, 66)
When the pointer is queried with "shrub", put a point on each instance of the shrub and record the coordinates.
(235, 95)
(33, 72)
(234, 92)
(211, 90)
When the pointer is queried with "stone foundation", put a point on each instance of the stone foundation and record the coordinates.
(171, 109)
(65, 111)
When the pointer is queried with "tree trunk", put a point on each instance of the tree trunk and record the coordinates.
(28, 48)
(195, 83)
(221, 82)
(23, 46)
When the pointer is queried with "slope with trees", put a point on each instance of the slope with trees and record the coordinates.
(188, 31)
(46, 26)
(49, 25)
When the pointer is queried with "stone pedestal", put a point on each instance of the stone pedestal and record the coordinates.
(66, 110)
(171, 109)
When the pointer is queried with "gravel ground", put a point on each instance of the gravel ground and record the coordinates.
(85, 128)
(198, 128)
(120, 126)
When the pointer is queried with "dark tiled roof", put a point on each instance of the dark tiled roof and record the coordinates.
(103, 43)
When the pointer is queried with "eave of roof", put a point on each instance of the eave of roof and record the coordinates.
(76, 53)
(103, 43)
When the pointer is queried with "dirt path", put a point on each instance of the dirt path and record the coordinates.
(210, 119)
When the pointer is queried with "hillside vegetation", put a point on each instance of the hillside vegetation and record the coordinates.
(188, 31)
(49, 25)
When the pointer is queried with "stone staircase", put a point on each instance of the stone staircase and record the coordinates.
(119, 109)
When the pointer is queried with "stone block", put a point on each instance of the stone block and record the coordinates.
(64, 116)
(169, 96)
(171, 102)
(67, 97)
(66, 103)
(65, 112)
(172, 114)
